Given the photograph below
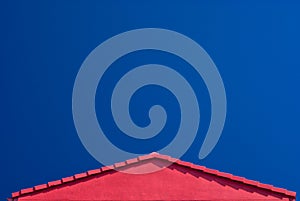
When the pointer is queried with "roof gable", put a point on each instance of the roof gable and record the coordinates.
(181, 180)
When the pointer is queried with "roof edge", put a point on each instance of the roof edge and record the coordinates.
(153, 155)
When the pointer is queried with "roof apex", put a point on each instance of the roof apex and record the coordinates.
(155, 155)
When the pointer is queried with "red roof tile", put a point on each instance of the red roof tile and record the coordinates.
(81, 175)
(40, 187)
(54, 183)
(131, 161)
(67, 179)
(26, 190)
(92, 172)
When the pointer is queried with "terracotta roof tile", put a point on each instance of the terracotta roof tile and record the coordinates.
(172, 160)
(26, 190)
(67, 179)
(54, 183)
(291, 193)
(183, 163)
(120, 164)
(211, 171)
(15, 194)
(131, 161)
(238, 178)
(81, 175)
(145, 157)
(40, 187)
(251, 182)
(92, 172)
(106, 168)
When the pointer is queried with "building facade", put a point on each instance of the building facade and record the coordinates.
(175, 180)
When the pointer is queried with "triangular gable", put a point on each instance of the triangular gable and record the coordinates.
(179, 181)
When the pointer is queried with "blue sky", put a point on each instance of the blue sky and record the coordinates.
(255, 46)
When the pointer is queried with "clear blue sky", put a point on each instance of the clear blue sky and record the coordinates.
(255, 46)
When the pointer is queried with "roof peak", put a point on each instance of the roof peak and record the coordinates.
(155, 155)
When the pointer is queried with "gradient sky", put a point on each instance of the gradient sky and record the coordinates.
(255, 46)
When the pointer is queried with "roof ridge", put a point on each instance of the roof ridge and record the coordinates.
(152, 156)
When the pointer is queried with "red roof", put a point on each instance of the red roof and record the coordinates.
(179, 181)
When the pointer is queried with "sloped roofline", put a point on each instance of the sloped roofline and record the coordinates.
(154, 155)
